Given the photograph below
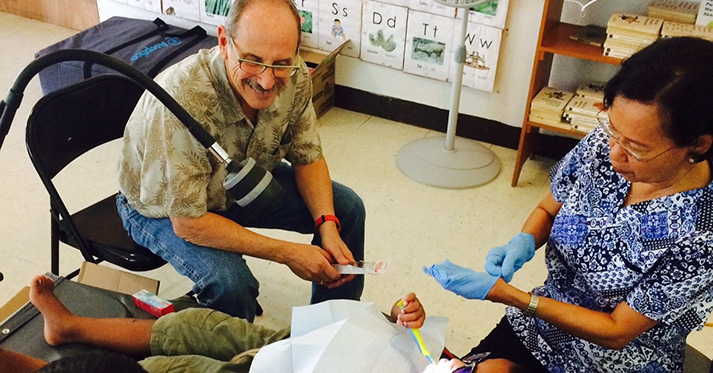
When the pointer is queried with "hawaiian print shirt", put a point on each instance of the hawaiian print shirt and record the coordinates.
(656, 255)
(164, 171)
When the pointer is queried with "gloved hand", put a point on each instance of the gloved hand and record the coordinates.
(462, 281)
(504, 261)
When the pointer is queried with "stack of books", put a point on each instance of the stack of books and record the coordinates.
(674, 10)
(548, 106)
(627, 34)
(673, 29)
(582, 110)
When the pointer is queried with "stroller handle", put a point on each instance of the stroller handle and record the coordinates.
(9, 106)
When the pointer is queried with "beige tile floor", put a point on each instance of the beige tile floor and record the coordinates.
(408, 223)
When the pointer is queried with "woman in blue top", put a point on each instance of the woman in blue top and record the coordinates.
(629, 231)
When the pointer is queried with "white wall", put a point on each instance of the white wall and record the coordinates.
(506, 104)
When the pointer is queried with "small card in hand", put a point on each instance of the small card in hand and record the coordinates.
(362, 268)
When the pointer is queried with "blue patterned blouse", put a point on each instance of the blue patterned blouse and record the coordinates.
(656, 255)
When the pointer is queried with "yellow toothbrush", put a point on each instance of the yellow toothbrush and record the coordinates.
(417, 337)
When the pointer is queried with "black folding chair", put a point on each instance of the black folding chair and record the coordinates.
(65, 125)
(69, 122)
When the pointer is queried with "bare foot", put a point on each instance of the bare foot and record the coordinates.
(58, 319)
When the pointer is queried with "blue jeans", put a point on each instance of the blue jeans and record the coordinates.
(222, 280)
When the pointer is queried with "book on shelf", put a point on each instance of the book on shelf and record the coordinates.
(624, 45)
(591, 89)
(584, 105)
(573, 117)
(590, 34)
(551, 99)
(550, 122)
(631, 38)
(674, 10)
(672, 29)
(617, 54)
(551, 115)
(582, 127)
(634, 23)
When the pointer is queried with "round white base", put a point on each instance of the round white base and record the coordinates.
(427, 161)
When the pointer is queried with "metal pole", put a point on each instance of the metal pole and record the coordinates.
(459, 59)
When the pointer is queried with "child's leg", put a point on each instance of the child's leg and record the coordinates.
(128, 336)
(13, 362)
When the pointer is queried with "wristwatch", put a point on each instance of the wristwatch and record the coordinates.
(532, 306)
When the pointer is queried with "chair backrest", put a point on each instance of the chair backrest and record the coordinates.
(72, 121)
(69, 122)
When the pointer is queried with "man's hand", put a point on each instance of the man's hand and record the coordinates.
(505, 260)
(333, 244)
(462, 281)
(312, 263)
(411, 314)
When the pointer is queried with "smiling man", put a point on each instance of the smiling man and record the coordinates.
(253, 94)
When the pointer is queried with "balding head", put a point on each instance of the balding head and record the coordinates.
(240, 6)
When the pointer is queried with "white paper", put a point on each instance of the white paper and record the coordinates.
(429, 41)
(346, 335)
(492, 13)
(340, 20)
(383, 32)
(187, 9)
(309, 12)
(431, 6)
(214, 11)
(482, 44)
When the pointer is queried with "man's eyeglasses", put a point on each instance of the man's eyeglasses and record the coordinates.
(616, 136)
(256, 68)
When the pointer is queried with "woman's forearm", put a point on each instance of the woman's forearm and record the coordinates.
(540, 221)
(611, 330)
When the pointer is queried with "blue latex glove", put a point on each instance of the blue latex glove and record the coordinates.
(462, 281)
(504, 261)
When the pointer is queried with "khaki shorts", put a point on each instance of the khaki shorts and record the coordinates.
(204, 340)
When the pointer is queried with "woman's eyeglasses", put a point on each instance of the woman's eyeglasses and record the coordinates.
(256, 68)
(605, 125)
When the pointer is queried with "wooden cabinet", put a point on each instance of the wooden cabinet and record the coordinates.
(74, 14)
(553, 39)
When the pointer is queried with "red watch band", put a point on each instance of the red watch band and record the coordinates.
(320, 220)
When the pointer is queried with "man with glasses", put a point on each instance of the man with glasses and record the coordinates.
(253, 94)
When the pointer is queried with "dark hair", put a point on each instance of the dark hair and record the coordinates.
(238, 8)
(92, 362)
(677, 75)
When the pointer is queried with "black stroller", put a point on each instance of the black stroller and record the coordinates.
(69, 122)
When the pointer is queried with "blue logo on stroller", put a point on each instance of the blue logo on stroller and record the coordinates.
(146, 51)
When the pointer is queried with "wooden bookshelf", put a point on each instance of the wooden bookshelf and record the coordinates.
(558, 42)
(553, 40)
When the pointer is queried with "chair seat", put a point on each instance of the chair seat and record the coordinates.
(101, 225)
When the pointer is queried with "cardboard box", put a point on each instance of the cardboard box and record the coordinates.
(152, 303)
(115, 280)
(322, 68)
(14, 304)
